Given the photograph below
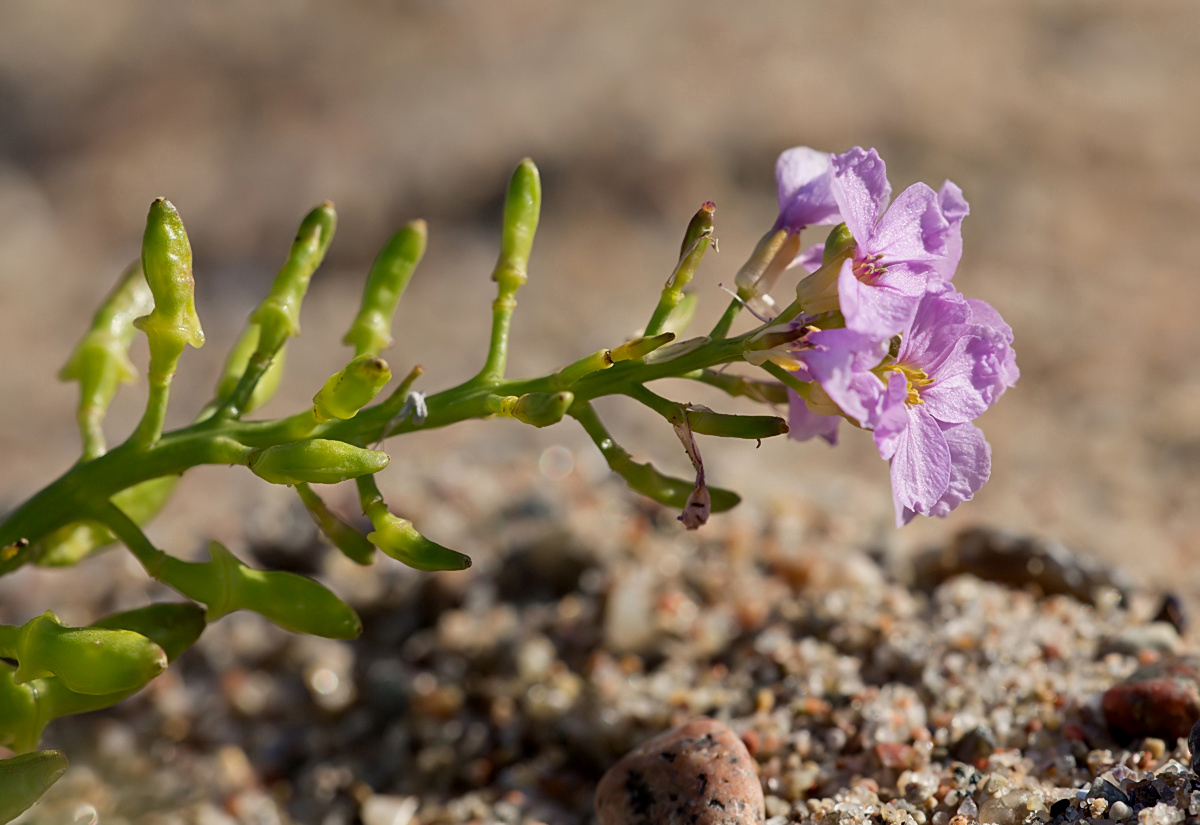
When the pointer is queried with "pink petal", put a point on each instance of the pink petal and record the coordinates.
(970, 466)
(804, 424)
(878, 311)
(803, 178)
(920, 467)
(913, 229)
(954, 207)
(955, 396)
(861, 189)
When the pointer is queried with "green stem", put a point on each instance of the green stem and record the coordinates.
(497, 357)
(149, 429)
(229, 441)
(726, 321)
(801, 387)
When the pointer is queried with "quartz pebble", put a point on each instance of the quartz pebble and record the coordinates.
(697, 774)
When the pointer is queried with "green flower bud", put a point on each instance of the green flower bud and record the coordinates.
(279, 313)
(235, 366)
(167, 264)
(350, 541)
(704, 421)
(348, 391)
(398, 538)
(100, 362)
(317, 461)
(390, 274)
(173, 626)
(85, 659)
(541, 409)
(23, 780)
(640, 347)
(522, 207)
(293, 602)
(696, 241)
(699, 232)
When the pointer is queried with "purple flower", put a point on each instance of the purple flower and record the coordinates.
(897, 247)
(805, 423)
(803, 178)
(955, 359)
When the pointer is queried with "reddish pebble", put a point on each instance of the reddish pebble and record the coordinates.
(696, 774)
(1162, 700)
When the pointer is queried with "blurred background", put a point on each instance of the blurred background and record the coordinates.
(1071, 127)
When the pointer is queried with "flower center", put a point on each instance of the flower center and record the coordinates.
(915, 378)
(868, 270)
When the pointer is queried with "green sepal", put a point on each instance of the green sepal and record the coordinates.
(296, 603)
(23, 780)
(317, 461)
(351, 388)
(87, 660)
(837, 242)
(167, 264)
(235, 367)
(344, 537)
(70, 544)
(279, 313)
(640, 347)
(371, 331)
(542, 409)
(397, 538)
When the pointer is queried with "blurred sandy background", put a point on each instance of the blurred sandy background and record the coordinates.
(1071, 126)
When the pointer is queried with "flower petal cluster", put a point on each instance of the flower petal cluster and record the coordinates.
(894, 348)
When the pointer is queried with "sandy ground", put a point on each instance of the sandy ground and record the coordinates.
(1070, 126)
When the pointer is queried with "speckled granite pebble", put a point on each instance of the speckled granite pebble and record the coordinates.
(697, 774)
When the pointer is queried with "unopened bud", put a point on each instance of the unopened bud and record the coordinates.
(24, 778)
(279, 313)
(522, 208)
(293, 602)
(390, 274)
(85, 659)
(167, 264)
(317, 461)
(100, 362)
(397, 538)
(541, 409)
(349, 390)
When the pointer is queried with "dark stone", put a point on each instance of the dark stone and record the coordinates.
(976, 744)
(1103, 789)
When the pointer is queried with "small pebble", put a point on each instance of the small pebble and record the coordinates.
(379, 809)
(697, 774)
(1162, 700)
